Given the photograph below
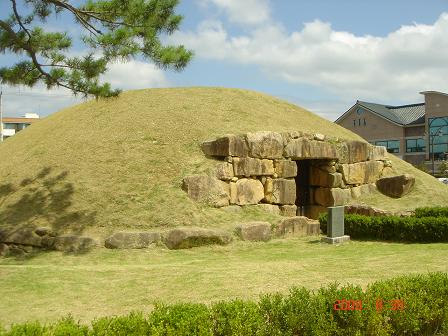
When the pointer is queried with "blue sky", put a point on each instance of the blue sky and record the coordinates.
(321, 54)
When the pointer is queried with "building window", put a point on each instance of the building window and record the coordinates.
(365, 124)
(392, 146)
(359, 122)
(354, 123)
(438, 135)
(10, 126)
(415, 145)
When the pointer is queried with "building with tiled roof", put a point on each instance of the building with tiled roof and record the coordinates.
(413, 132)
(11, 125)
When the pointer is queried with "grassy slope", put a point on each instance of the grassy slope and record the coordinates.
(104, 165)
(110, 282)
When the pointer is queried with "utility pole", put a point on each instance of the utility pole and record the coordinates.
(1, 116)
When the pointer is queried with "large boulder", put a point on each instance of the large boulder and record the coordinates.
(131, 240)
(396, 186)
(183, 238)
(246, 191)
(228, 145)
(207, 189)
(280, 191)
(251, 167)
(303, 148)
(265, 145)
(332, 196)
(26, 236)
(254, 231)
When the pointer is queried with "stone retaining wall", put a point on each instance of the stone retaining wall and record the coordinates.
(260, 168)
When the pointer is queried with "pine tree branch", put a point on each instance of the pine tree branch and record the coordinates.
(19, 21)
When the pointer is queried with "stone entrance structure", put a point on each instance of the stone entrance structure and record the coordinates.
(290, 173)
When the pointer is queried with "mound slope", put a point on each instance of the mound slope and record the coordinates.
(119, 163)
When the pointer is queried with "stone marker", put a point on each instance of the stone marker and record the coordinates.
(335, 226)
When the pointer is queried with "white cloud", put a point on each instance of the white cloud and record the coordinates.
(135, 75)
(246, 12)
(395, 67)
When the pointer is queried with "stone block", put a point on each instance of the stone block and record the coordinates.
(280, 191)
(207, 189)
(314, 211)
(377, 153)
(228, 145)
(183, 238)
(131, 240)
(358, 151)
(324, 179)
(342, 152)
(252, 167)
(265, 145)
(309, 149)
(319, 137)
(269, 208)
(396, 186)
(362, 172)
(254, 231)
(285, 168)
(332, 196)
(293, 227)
(313, 228)
(288, 210)
(361, 190)
(224, 171)
(246, 191)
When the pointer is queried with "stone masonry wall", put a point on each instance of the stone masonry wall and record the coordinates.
(260, 168)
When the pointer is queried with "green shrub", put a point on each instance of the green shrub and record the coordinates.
(410, 229)
(431, 212)
(133, 324)
(424, 311)
(26, 329)
(237, 318)
(180, 319)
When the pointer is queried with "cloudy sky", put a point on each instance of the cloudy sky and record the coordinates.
(321, 54)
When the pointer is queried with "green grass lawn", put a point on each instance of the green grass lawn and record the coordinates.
(108, 282)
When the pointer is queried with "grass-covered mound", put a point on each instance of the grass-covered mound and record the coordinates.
(119, 163)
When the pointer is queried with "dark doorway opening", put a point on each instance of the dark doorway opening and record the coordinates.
(303, 187)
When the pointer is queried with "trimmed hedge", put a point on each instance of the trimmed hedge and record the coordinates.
(409, 229)
(431, 212)
(300, 312)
